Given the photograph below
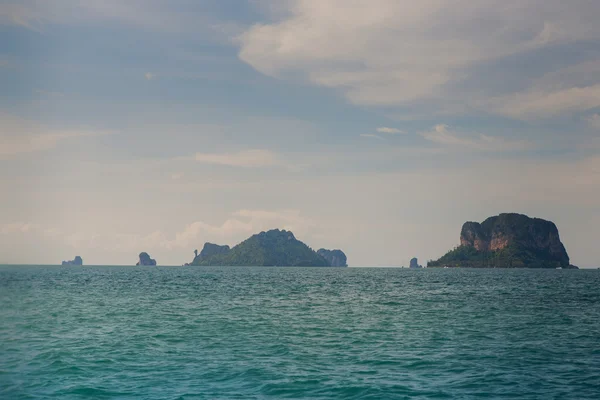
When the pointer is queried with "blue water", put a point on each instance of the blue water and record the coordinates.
(266, 333)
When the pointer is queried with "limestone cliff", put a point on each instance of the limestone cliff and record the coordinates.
(508, 241)
(210, 250)
(335, 258)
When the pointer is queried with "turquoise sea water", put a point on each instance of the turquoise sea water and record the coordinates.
(262, 333)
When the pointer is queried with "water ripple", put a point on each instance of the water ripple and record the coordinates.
(257, 333)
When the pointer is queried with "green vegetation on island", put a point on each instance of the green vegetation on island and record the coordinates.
(272, 248)
(507, 241)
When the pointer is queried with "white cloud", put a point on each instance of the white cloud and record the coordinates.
(442, 135)
(371, 135)
(541, 104)
(399, 52)
(18, 136)
(244, 158)
(239, 226)
(149, 76)
(28, 228)
(385, 129)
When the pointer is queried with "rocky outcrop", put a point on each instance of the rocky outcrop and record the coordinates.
(145, 259)
(508, 241)
(76, 261)
(335, 258)
(209, 250)
(272, 248)
(414, 263)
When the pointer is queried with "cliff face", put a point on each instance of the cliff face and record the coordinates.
(272, 248)
(335, 258)
(210, 250)
(145, 259)
(508, 240)
(499, 232)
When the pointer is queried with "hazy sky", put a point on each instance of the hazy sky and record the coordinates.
(375, 126)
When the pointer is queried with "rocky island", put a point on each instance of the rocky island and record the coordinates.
(507, 241)
(145, 259)
(76, 261)
(335, 258)
(272, 248)
(414, 263)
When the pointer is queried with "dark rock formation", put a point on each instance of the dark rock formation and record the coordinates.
(335, 258)
(76, 261)
(209, 250)
(145, 259)
(414, 263)
(508, 241)
(273, 248)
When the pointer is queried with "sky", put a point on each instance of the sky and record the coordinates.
(374, 126)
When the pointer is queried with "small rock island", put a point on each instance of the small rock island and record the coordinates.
(414, 263)
(145, 259)
(274, 248)
(76, 261)
(335, 258)
(507, 241)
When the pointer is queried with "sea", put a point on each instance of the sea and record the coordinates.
(298, 333)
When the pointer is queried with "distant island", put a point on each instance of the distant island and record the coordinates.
(335, 258)
(414, 263)
(507, 241)
(144, 259)
(76, 261)
(272, 248)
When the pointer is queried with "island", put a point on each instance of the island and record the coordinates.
(76, 261)
(145, 259)
(507, 241)
(269, 249)
(335, 258)
(414, 263)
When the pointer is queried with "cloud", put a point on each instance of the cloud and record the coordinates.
(594, 121)
(244, 159)
(384, 129)
(149, 76)
(234, 229)
(371, 135)
(16, 228)
(442, 135)
(160, 16)
(543, 104)
(427, 54)
(19, 136)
